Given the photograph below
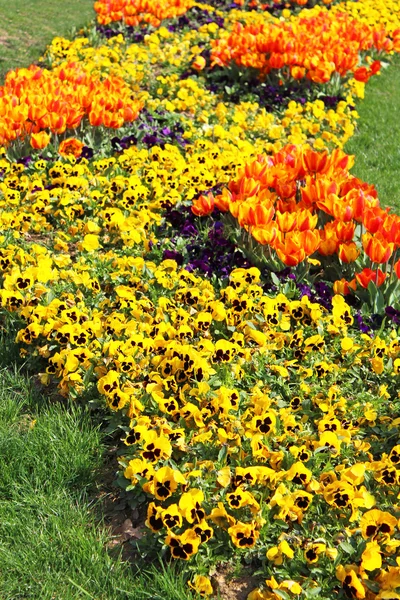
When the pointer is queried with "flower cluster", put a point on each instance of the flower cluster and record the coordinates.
(315, 46)
(186, 250)
(377, 13)
(300, 203)
(36, 102)
(133, 12)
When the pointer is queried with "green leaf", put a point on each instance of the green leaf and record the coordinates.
(314, 592)
(282, 594)
(347, 548)
(275, 279)
(222, 454)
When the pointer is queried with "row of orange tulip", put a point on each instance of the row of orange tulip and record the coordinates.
(314, 46)
(281, 200)
(37, 101)
(133, 12)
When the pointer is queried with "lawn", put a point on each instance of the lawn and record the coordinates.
(27, 27)
(376, 141)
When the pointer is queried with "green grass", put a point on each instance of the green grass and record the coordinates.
(27, 26)
(52, 541)
(376, 144)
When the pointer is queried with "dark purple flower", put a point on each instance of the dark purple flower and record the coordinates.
(393, 314)
(189, 230)
(360, 322)
(151, 140)
(201, 264)
(116, 143)
(87, 153)
(304, 290)
(26, 160)
(376, 321)
(173, 255)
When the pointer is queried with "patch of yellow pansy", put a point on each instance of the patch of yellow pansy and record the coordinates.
(384, 13)
(171, 176)
(312, 123)
(131, 62)
(183, 368)
(209, 8)
(110, 58)
(62, 49)
(176, 49)
(120, 200)
(177, 95)
(247, 18)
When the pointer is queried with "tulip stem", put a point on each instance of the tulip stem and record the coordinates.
(392, 265)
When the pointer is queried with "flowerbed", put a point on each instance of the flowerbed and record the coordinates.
(184, 247)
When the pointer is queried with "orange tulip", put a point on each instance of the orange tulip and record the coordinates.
(362, 74)
(257, 168)
(248, 187)
(375, 67)
(306, 220)
(377, 249)
(286, 221)
(373, 218)
(344, 230)
(328, 245)
(367, 275)
(223, 200)
(356, 199)
(348, 252)
(290, 254)
(40, 140)
(341, 160)
(315, 162)
(203, 205)
(286, 189)
(256, 214)
(297, 72)
(266, 234)
(391, 229)
(311, 240)
(70, 146)
(319, 193)
(343, 287)
(297, 245)
(341, 210)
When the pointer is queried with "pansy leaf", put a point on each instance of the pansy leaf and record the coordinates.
(347, 548)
